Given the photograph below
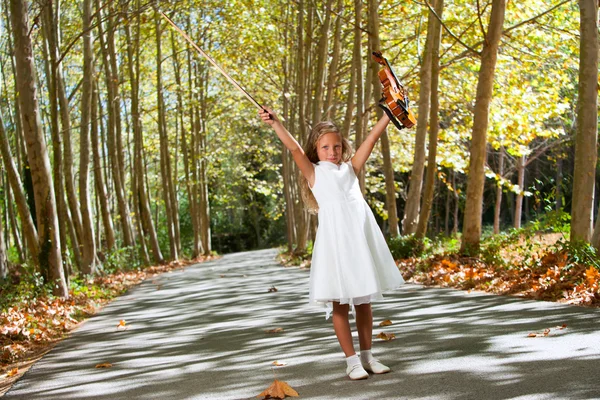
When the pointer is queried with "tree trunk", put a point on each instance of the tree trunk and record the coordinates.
(586, 150)
(27, 225)
(49, 257)
(89, 259)
(165, 157)
(322, 54)
(485, 84)
(559, 177)
(141, 195)
(114, 132)
(329, 108)
(411, 210)
(204, 205)
(353, 68)
(498, 205)
(357, 70)
(301, 78)
(101, 195)
(3, 258)
(434, 125)
(519, 196)
(390, 185)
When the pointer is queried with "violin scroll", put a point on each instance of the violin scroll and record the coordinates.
(394, 100)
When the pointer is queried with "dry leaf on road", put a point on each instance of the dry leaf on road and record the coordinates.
(278, 390)
(387, 322)
(272, 289)
(276, 330)
(12, 372)
(279, 364)
(104, 365)
(386, 336)
(121, 326)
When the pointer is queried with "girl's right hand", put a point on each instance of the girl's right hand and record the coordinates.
(268, 116)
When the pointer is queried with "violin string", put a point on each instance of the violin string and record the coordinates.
(213, 62)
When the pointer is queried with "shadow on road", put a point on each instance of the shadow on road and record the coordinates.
(199, 333)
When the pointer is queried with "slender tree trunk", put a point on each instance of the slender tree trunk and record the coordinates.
(485, 84)
(411, 210)
(322, 54)
(353, 68)
(12, 223)
(114, 132)
(101, 195)
(519, 196)
(456, 204)
(434, 125)
(89, 259)
(3, 257)
(165, 163)
(329, 108)
(140, 193)
(498, 205)
(49, 257)
(559, 177)
(586, 142)
(204, 205)
(357, 69)
(301, 76)
(390, 185)
(27, 224)
(287, 169)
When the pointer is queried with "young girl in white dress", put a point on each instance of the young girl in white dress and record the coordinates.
(351, 263)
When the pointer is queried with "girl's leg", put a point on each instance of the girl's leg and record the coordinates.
(364, 325)
(341, 325)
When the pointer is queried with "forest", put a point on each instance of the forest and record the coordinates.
(123, 147)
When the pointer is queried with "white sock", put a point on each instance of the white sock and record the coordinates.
(352, 360)
(366, 356)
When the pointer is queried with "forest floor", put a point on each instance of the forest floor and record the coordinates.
(32, 324)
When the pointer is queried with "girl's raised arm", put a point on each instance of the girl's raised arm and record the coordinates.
(364, 151)
(304, 164)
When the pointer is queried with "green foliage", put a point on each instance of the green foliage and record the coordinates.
(29, 285)
(408, 246)
(578, 252)
(122, 259)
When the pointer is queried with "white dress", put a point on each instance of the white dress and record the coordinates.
(351, 262)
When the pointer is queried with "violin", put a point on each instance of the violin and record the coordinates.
(394, 99)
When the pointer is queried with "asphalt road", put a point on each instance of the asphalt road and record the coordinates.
(199, 333)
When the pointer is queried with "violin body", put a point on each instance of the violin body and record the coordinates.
(394, 99)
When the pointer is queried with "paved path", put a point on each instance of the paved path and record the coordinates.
(199, 333)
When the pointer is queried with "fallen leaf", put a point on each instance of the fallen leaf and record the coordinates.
(121, 325)
(12, 372)
(563, 326)
(104, 365)
(279, 364)
(387, 322)
(532, 335)
(276, 330)
(278, 390)
(272, 289)
(386, 336)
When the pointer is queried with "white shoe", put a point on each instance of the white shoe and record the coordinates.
(376, 367)
(356, 372)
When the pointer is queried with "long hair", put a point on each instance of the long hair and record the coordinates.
(310, 149)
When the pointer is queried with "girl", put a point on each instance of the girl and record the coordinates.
(351, 263)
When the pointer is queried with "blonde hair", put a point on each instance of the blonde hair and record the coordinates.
(310, 149)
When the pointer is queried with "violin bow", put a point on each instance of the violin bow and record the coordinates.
(213, 62)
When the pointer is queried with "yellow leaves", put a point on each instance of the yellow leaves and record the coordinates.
(104, 365)
(121, 326)
(12, 372)
(386, 336)
(387, 322)
(592, 275)
(279, 364)
(278, 390)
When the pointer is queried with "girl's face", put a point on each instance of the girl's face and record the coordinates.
(329, 148)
